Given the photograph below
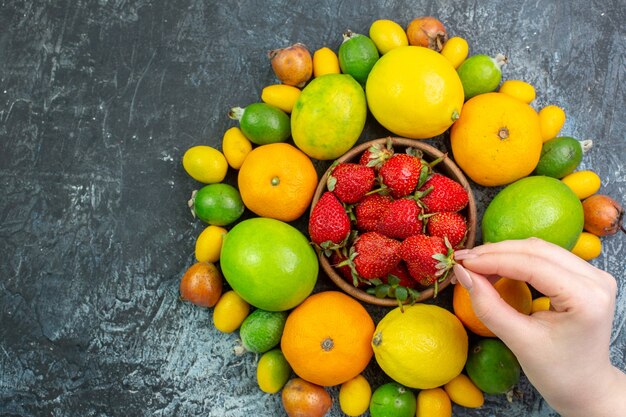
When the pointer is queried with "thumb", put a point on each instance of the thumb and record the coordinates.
(507, 323)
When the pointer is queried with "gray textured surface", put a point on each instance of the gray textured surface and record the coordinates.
(98, 102)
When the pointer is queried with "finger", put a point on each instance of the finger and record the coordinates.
(502, 319)
(532, 246)
(549, 278)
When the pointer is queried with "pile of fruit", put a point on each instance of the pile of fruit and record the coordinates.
(389, 221)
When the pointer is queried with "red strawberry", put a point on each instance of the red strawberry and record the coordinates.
(376, 155)
(374, 255)
(329, 224)
(440, 193)
(402, 274)
(400, 174)
(401, 219)
(369, 210)
(350, 182)
(447, 224)
(428, 258)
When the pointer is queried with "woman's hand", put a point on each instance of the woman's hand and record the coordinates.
(564, 352)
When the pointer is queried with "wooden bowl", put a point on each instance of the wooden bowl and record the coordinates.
(446, 167)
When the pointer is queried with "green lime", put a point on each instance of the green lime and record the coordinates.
(393, 400)
(535, 206)
(217, 204)
(357, 56)
(481, 74)
(492, 366)
(262, 123)
(559, 157)
(262, 330)
(269, 263)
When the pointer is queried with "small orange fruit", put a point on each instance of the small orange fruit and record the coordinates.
(516, 293)
(201, 284)
(277, 181)
(304, 399)
(326, 339)
(497, 139)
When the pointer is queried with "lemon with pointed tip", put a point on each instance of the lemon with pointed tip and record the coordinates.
(414, 92)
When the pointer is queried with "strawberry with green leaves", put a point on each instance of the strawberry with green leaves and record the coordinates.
(447, 224)
(329, 224)
(376, 155)
(440, 193)
(350, 182)
(428, 258)
(401, 219)
(401, 174)
(373, 255)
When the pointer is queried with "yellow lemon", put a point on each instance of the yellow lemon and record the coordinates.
(325, 61)
(518, 89)
(414, 92)
(272, 371)
(583, 183)
(282, 96)
(209, 244)
(230, 311)
(421, 346)
(463, 392)
(236, 147)
(551, 120)
(387, 35)
(541, 304)
(455, 50)
(355, 395)
(588, 246)
(433, 402)
(205, 164)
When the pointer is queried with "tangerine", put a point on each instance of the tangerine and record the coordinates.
(497, 139)
(326, 339)
(516, 293)
(277, 181)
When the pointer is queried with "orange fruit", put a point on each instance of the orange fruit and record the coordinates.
(326, 339)
(277, 181)
(516, 293)
(497, 139)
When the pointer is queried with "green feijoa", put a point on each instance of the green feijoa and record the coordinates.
(559, 157)
(217, 204)
(262, 330)
(262, 123)
(481, 74)
(492, 366)
(357, 56)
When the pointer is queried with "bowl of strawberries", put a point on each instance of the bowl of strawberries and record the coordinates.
(387, 217)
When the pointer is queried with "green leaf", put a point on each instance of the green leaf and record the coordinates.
(393, 280)
(382, 291)
(376, 281)
(402, 293)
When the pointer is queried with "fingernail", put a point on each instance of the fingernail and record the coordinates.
(463, 254)
(462, 276)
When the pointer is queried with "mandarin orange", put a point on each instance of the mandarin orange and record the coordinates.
(516, 293)
(277, 181)
(326, 339)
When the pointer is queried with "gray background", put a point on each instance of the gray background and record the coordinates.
(98, 102)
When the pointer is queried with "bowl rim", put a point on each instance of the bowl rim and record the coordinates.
(429, 151)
